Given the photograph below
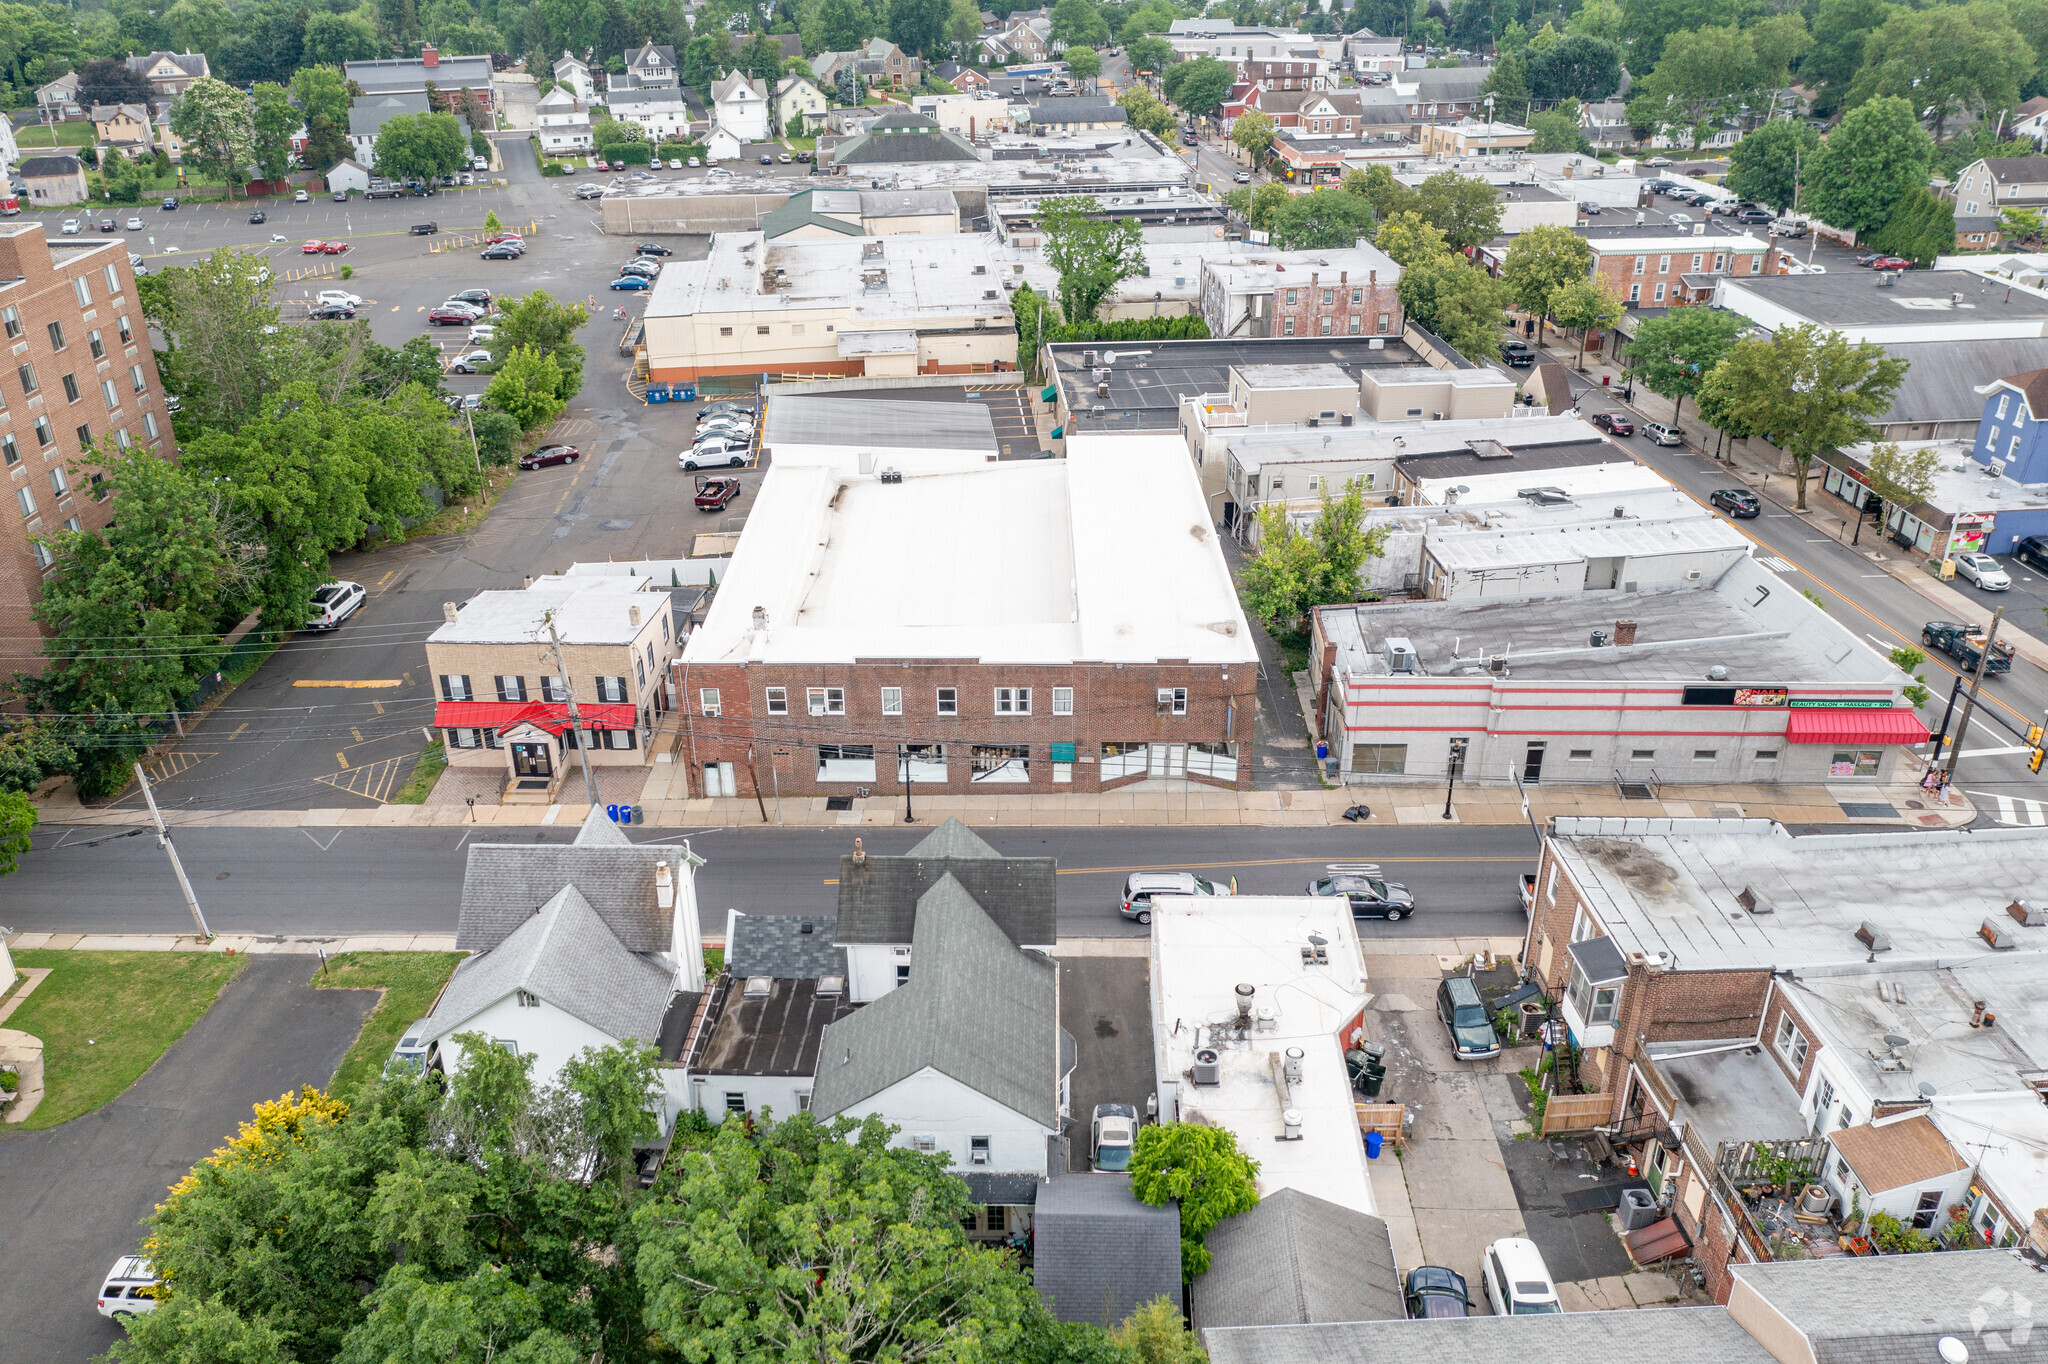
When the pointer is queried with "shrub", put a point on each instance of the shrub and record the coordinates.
(554, 168)
(632, 153)
(348, 272)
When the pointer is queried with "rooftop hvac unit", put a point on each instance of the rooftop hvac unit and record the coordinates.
(981, 269)
(891, 476)
(1376, 343)
(1399, 653)
(1009, 284)
(1315, 422)
(1208, 1067)
(1345, 420)
(1102, 373)
(1088, 358)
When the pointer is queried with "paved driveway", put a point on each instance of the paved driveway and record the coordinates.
(70, 1197)
(1105, 1002)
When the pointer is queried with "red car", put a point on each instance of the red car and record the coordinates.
(1613, 423)
(1891, 263)
(715, 494)
(550, 455)
(454, 315)
(618, 165)
(311, 248)
(495, 238)
(333, 248)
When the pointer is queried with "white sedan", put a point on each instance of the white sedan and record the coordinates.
(1984, 571)
(338, 298)
(1679, 219)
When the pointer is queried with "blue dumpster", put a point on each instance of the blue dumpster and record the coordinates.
(657, 394)
(688, 394)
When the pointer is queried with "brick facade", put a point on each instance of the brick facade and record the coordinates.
(76, 334)
(1654, 277)
(1112, 704)
(1340, 306)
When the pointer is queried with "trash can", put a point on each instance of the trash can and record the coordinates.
(1372, 1145)
(1638, 1209)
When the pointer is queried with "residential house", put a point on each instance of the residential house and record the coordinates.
(1605, 123)
(1294, 293)
(53, 181)
(754, 1047)
(170, 74)
(799, 104)
(562, 121)
(368, 114)
(125, 128)
(2009, 443)
(1097, 1253)
(739, 107)
(967, 80)
(1297, 70)
(412, 76)
(880, 897)
(1293, 1259)
(661, 109)
(508, 665)
(1989, 186)
(1308, 113)
(966, 1058)
(576, 945)
(1369, 54)
(573, 73)
(2031, 119)
(1652, 272)
(1074, 115)
(57, 97)
(792, 45)
(85, 381)
(1024, 38)
(651, 66)
(349, 177)
(1437, 93)
(9, 151)
(1475, 137)
(885, 64)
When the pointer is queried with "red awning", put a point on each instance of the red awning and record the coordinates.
(552, 716)
(1826, 725)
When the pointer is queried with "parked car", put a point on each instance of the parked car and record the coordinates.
(1659, 186)
(1589, 208)
(479, 298)
(169, 205)
(453, 314)
(301, 197)
(550, 455)
(1726, 207)
(134, 224)
(1242, 177)
(693, 163)
(71, 227)
(632, 282)
(411, 1051)
(1371, 898)
(1518, 352)
(1518, 1283)
(502, 251)
(468, 402)
(1866, 258)
(767, 160)
(332, 312)
(651, 249)
(425, 229)
(1141, 886)
(1112, 1137)
(715, 452)
(729, 430)
(1463, 1014)
(1890, 263)
(1613, 423)
(1984, 571)
(333, 248)
(716, 494)
(1679, 219)
(675, 163)
(1740, 503)
(616, 166)
(645, 269)
(2033, 552)
(482, 334)
(1660, 434)
(1755, 216)
(471, 362)
(497, 237)
(129, 1289)
(1965, 644)
(341, 296)
(258, 216)
(712, 409)
(1433, 1291)
(339, 196)
(334, 603)
(1658, 161)
(311, 248)
(590, 191)
(803, 158)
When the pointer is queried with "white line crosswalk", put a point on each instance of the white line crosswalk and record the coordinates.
(2011, 809)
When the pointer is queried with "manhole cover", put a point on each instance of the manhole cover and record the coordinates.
(839, 802)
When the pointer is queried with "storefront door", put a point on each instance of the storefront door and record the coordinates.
(533, 760)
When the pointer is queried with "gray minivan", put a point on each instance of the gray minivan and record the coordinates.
(1464, 1016)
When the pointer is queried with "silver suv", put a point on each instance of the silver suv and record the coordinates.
(1141, 886)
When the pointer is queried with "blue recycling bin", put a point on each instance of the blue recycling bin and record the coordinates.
(1373, 1141)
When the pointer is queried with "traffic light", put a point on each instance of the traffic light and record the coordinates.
(2034, 735)
(2034, 759)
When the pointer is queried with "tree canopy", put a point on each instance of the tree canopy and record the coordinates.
(1871, 160)
(1092, 254)
(1673, 354)
(1192, 1164)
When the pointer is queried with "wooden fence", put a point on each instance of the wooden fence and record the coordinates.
(1386, 1119)
(1576, 1112)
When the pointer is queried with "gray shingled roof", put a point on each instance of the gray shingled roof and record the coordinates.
(786, 946)
(907, 145)
(36, 167)
(505, 882)
(1893, 1308)
(566, 956)
(1098, 1254)
(1942, 376)
(1670, 1333)
(1296, 1258)
(878, 897)
(1057, 111)
(976, 1008)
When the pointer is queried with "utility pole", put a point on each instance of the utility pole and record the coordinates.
(1976, 681)
(163, 840)
(575, 719)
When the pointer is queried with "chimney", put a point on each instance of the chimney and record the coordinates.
(860, 854)
(1314, 277)
(429, 56)
(1624, 632)
(1372, 277)
(1343, 276)
(449, 612)
(633, 616)
(1977, 1013)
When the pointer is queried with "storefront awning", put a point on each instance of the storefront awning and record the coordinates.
(1822, 725)
(552, 716)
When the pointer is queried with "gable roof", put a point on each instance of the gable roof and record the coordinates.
(2031, 386)
(504, 882)
(1057, 111)
(564, 954)
(1098, 1254)
(1295, 1259)
(1889, 1309)
(37, 166)
(638, 56)
(976, 1009)
(1910, 1151)
(907, 144)
(800, 212)
(880, 897)
(2024, 169)
(190, 63)
(735, 83)
(786, 946)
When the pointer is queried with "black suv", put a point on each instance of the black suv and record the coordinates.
(1739, 503)
(2032, 551)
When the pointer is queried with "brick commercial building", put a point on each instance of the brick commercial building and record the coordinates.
(1652, 272)
(80, 376)
(1265, 293)
(1032, 626)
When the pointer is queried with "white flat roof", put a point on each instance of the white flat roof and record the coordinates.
(588, 610)
(1202, 950)
(1940, 1049)
(946, 277)
(1258, 269)
(1672, 242)
(1696, 533)
(2006, 1136)
(999, 562)
(1670, 887)
(1370, 440)
(1962, 484)
(1580, 480)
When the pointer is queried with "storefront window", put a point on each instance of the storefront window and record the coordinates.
(1858, 762)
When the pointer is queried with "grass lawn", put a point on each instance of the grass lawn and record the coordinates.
(78, 134)
(104, 1018)
(410, 981)
(433, 761)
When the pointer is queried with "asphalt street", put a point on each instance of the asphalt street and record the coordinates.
(75, 1194)
(95, 880)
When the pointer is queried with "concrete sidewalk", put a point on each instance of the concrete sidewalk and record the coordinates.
(1150, 804)
(252, 944)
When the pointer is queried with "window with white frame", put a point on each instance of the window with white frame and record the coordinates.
(1062, 700)
(1013, 700)
(455, 687)
(553, 689)
(82, 286)
(511, 688)
(465, 738)
(892, 700)
(707, 702)
(1173, 701)
(778, 701)
(948, 701)
(1790, 1042)
(611, 689)
(826, 700)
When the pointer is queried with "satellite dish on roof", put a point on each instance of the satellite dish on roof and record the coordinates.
(1109, 357)
(1926, 1090)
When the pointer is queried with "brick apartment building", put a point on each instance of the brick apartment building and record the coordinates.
(1267, 293)
(1660, 272)
(80, 374)
(1005, 628)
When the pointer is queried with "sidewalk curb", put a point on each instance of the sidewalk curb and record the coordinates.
(250, 944)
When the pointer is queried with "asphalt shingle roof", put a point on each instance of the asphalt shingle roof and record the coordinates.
(1892, 1309)
(1099, 1254)
(789, 946)
(565, 955)
(976, 1009)
(1296, 1258)
(879, 896)
(504, 883)
(1912, 1151)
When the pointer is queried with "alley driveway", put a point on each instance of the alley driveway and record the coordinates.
(1105, 1002)
(71, 1197)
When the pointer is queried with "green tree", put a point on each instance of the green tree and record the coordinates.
(822, 1240)
(333, 39)
(1765, 165)
(1078, 23)
(2020, 225)
(1903, 479)
(1467, 209)
(708, 56)
(225, 350)
(1092, 254)
(1387, 195)
(963, 28)
(1872, 158)
(1198, 87)
(1458, 301)
(1410, 239)
(1542, 259)
(527, 386)
(1322, 220)
(1673, 354)
(17, 821)
(30, 752)
(1508, 84)
(549, 328)
(761, 58)
(1907, 660)
(1144, 110)
(1577, 67)
(1585, 305)
(1809, 389)
(1253, 133)
(1149, 54)
(1557, 130)
(1276, 584)
(1840, 28)
(1342, 541)
(1083, 63)
(1704, 75)
(1157, 1334)
(327, 144)
(1264, 204)
(274, 120)
(1921, 227)
(1200, 1168)
(918, 25)
(199, 25)
(1955, 59)
(215, 122)
(844, 26)
(1648, 24)
(420, 146)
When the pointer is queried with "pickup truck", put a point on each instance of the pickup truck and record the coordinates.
(715, 494)
(1965, 644)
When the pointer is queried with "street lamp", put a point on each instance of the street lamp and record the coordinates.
(903, 771)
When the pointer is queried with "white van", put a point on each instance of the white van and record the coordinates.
(1518, 1283)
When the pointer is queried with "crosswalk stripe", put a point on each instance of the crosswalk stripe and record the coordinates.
(1777, 565)
(2018, 810)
